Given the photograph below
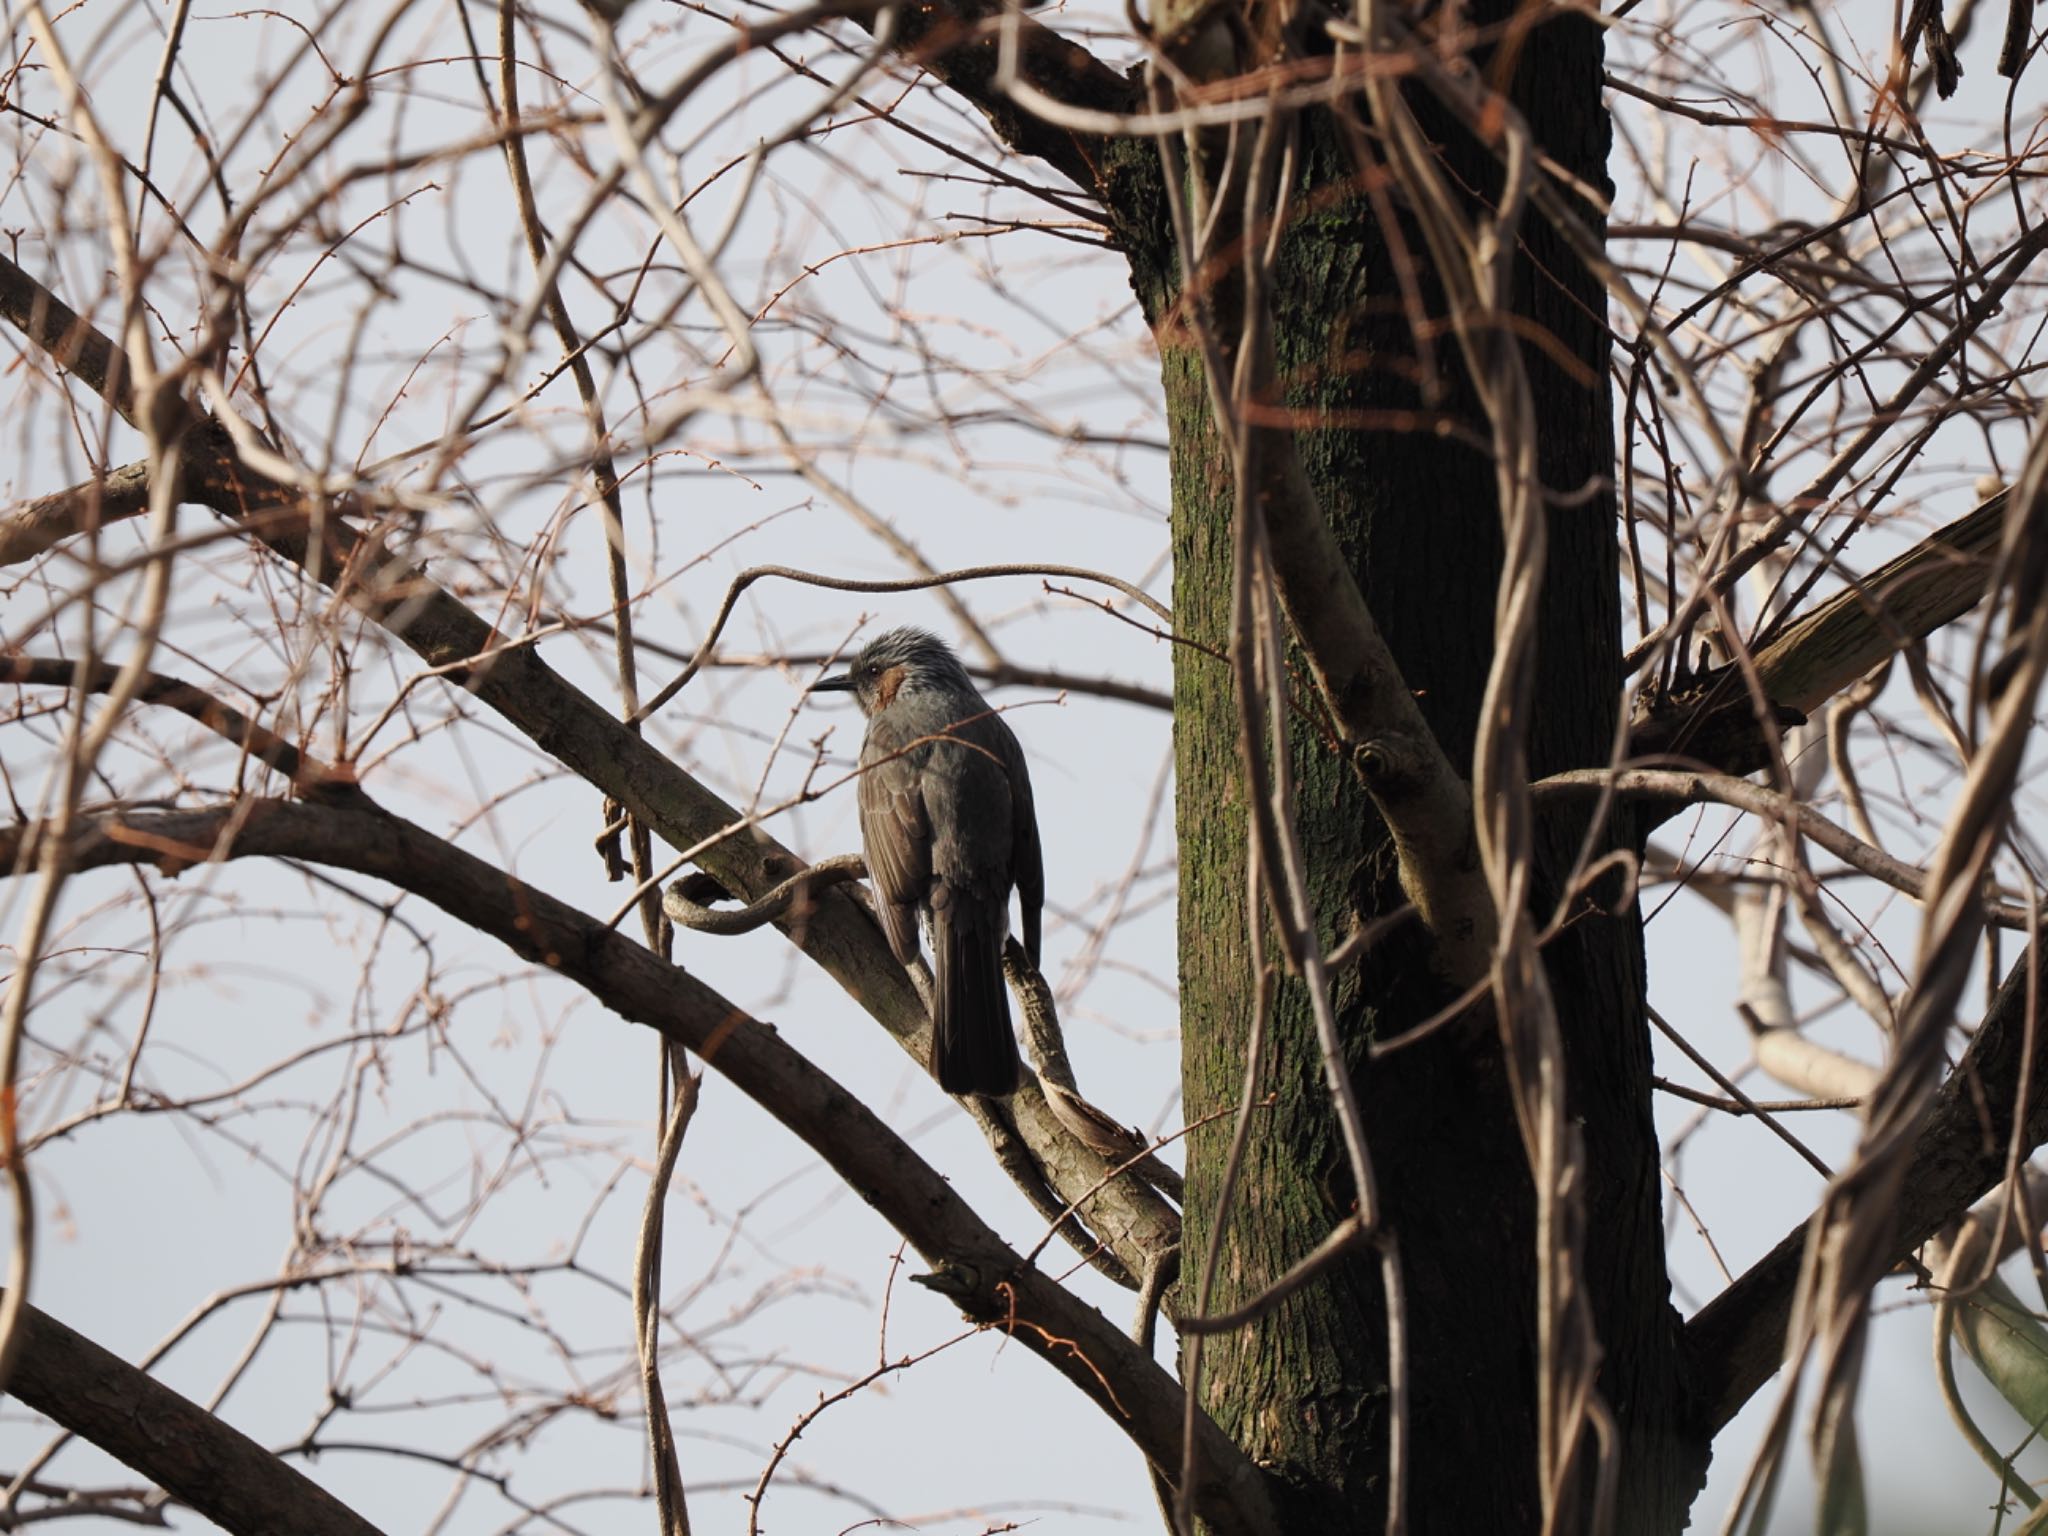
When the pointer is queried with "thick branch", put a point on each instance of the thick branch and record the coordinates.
(1816, 656)
(217, 1470)
(987, 1278)
(959, 43)
(1931, 585)
(71, 342)
(48, 520)
(1737, 1340)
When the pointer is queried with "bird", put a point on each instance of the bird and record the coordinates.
(947, 828)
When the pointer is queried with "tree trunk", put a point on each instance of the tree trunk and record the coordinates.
(1305, 1388)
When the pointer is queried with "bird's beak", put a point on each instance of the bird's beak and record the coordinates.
(843, 683)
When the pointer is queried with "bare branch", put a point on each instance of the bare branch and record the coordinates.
(49, 520)
(72, 343)
(307, 774)
(685, 901)
(512, 679)
(1737, 1340)
(986, 1278)
(218, 1470)
(1679, 787)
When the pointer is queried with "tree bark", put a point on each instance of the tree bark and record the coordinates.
(1413, 506)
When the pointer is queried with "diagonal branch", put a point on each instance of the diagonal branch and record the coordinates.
(1936, 582)
(308, 774)
(1737, 1340)
(200, 1461)
(509, 676)
(989, 1281)
(70, 341)
(1810, 659)
(960, 43)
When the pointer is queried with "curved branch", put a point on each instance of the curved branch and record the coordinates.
(199, 1460)
(685, 902)
(989, 1281)
(1003, 674)
(706, 649)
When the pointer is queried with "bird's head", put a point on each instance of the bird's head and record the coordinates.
(903, 660)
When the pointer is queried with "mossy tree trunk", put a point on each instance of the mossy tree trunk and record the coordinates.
(1411, 497)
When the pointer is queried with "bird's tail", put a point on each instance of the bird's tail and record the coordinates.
(973, 1047)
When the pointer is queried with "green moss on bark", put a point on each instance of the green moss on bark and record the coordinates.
(1412, 503)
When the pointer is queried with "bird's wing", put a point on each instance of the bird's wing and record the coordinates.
(1027, 860)
(895, 833)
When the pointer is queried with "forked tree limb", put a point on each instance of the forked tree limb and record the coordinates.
(308, 774)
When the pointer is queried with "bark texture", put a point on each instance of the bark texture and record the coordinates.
(1413, 506)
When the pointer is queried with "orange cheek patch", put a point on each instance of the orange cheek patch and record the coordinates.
(886, 686)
